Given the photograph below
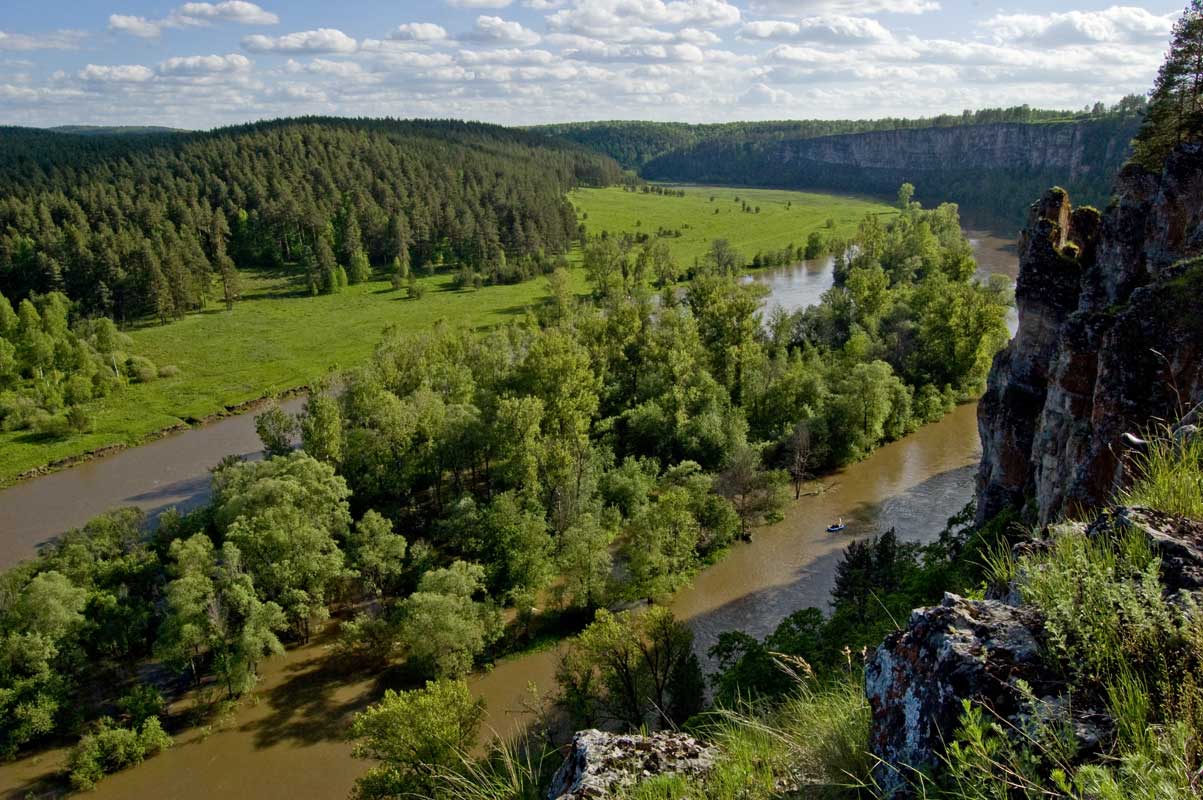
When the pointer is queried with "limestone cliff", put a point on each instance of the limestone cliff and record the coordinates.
(985, 168)
(1110, 337)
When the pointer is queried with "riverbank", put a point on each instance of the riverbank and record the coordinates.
(277, 339)
(288, 739)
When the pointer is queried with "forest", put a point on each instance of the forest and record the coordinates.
(750, 154)
(158, 225)
(634, 144)
(461, 496)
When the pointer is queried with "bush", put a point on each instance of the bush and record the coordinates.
(142, 703)
(79, 390)
(78, 419)
(169, 371)
(140, 369)
(111, 748)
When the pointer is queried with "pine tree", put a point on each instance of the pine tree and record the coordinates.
(1175, 112)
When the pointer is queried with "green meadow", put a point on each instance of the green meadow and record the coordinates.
(277, 339)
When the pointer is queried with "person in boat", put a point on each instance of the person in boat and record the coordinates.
(836, 526)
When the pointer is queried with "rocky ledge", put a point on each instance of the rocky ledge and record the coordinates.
(603, 764)
(1110, 336)
(989, 652)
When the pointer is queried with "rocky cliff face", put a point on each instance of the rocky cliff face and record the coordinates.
(1110, 336)
(985, 168)
(1012, 146)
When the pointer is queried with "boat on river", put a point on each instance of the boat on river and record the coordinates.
(836, 527)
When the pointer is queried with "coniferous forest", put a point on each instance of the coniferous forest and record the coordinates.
(156, 224)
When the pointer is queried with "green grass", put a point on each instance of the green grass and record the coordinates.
(617, 211)
(278, 339)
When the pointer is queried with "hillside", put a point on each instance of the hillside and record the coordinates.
(984, 162)
(135, 225)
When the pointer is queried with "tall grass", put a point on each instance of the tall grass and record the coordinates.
(1169, 475)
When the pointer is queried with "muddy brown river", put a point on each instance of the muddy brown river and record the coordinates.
(288, 740)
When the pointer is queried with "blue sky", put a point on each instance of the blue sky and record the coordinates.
(201, 64)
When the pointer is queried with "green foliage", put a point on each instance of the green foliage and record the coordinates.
(1175, 111)
(414, 736)
(631, 668)
(1168, 475)
(289, 187)
(111, 748)
(442, 627)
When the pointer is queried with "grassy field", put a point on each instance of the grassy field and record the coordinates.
(784, 218)
(278, 339)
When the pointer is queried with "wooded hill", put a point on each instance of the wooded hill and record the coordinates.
(1005, 149)
(143, 224)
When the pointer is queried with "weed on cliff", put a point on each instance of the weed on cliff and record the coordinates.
(1169, 475)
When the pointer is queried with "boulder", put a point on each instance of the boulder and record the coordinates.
(917, 678)
(603, 764)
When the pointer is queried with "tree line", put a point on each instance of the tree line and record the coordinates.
(633, 144)
(127, 226)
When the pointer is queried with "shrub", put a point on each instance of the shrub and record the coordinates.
(140, 369)
(79, 390)
(169, 371)
(111, 748)
(142, 703)
(78, 419)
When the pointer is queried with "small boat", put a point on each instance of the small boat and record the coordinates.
(836, 527)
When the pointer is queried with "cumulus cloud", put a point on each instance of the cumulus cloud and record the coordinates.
(205, 65)
(1115, 24)
(495, 30)
(193, 15)
(613, 19)
(806, 8)
(419, 32)
(836, 29)
(119, 73)
(135, 26)
(55, 40)
(322, 40)
(237, 11)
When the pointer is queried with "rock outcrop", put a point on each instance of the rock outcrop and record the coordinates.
(605, 764)
(916, 680)
(989, 652)
(1110, 336)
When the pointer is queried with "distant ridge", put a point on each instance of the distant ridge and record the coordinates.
(115, 130)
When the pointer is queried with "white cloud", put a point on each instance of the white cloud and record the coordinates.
(762, 95)
(495, 30)
(205, 65)
(419, 32)
(228, 11)
(55, 40)
(806, 8)
(1115, 24)
(836, 29)
(193, 15)
(135, 26)
(120, 73)
(322, 40)
(613, 19)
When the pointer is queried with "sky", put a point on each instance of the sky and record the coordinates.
(206, 64)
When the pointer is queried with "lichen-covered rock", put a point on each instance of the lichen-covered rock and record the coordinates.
(917, 678)
(603, 764)
(1178, 541)
(1110, 336)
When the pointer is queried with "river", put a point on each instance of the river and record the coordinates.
(288, 741)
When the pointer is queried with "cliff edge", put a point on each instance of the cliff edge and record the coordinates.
(1110, 336)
